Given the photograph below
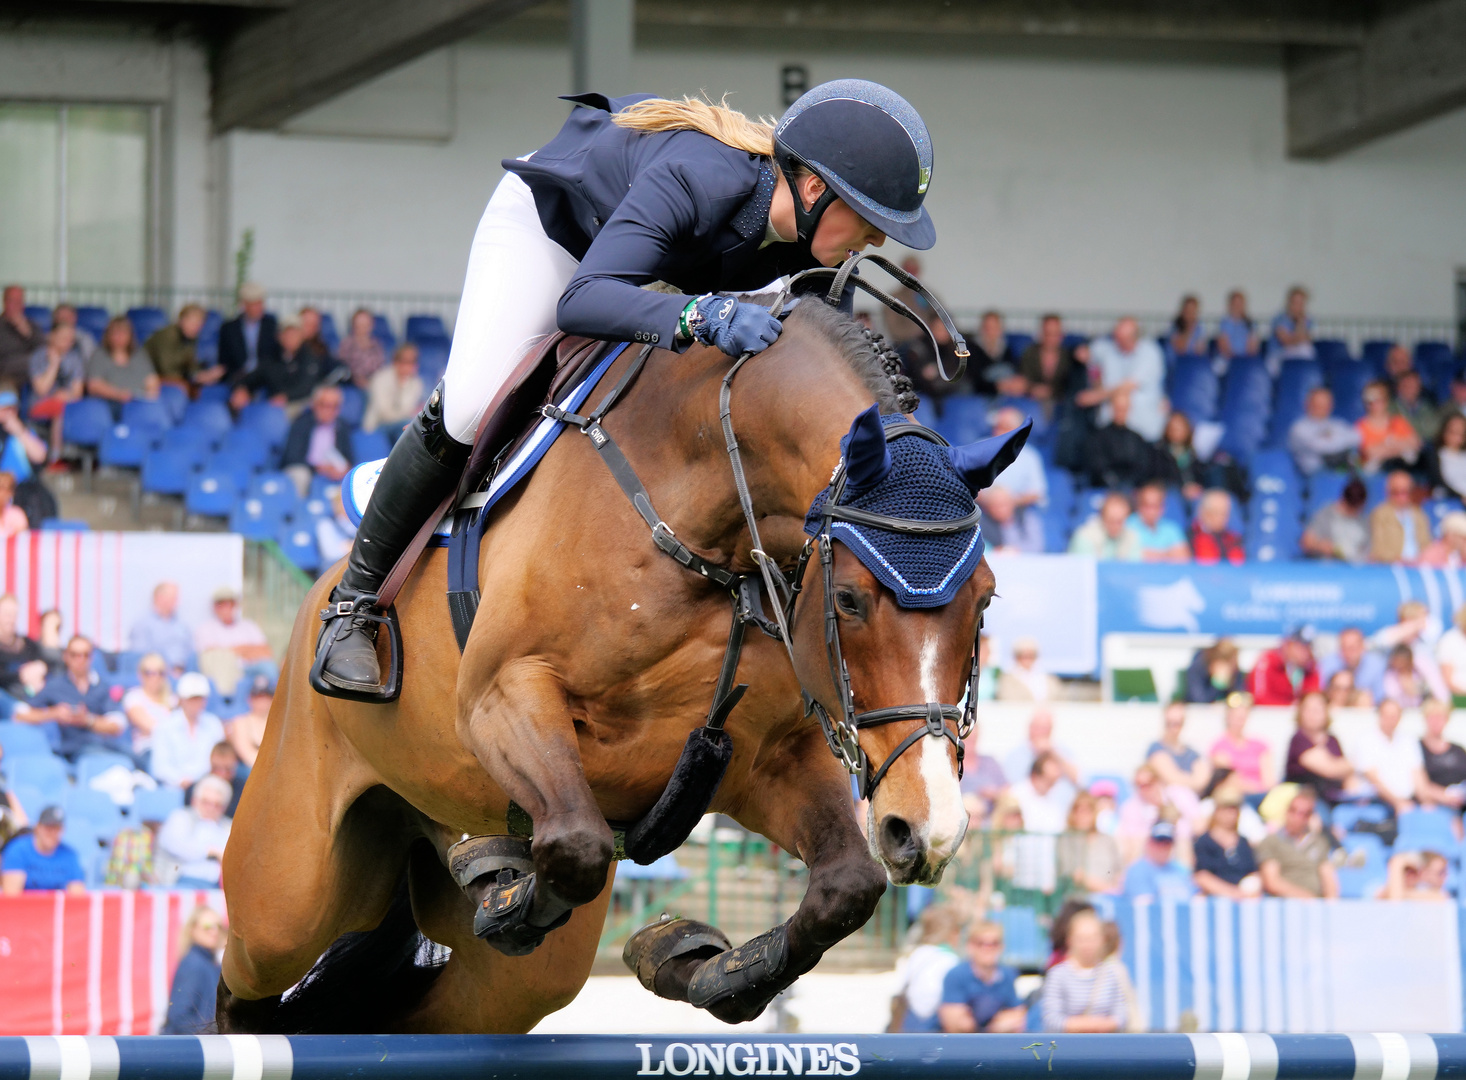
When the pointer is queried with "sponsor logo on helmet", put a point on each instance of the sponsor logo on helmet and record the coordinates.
(926, 178)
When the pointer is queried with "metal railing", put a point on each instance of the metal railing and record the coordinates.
(277, 586)
(396, 306)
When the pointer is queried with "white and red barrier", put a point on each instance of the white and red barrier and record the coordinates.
(95, 964)
(101, 582)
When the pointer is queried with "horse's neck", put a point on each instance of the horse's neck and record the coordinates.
(790, 407)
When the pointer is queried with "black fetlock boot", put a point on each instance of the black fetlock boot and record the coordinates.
(423, 468)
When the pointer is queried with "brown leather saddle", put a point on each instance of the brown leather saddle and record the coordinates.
(546, 371)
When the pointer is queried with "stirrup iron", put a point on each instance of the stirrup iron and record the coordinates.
(343, 614)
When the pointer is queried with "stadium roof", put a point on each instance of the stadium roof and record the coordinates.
(1356, 69)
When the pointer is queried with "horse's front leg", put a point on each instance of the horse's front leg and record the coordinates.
(800, 800)
(519, 727)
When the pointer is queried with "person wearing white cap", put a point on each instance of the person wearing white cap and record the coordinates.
(181, 743)
(1449, 552)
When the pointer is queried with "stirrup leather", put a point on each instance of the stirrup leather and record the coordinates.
(340, 617)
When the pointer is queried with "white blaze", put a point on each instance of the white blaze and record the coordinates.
(946, 820)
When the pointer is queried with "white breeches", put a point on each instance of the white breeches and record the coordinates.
(515, 277)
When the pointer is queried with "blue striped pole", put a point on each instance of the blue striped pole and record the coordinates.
(1385, 1056)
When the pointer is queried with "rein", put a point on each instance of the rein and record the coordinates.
(745, 590)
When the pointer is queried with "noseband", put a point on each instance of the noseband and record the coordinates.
(841, 734)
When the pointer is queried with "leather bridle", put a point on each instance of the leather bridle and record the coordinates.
(842, 733)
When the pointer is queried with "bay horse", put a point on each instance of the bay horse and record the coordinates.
(592, 657)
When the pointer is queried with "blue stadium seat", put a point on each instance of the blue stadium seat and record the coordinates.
(1347, 381)
(1437, 509)
(84, 804)
(40, 316)
(245, 443)
(382, 331)
(1437, 366)
(268, 420)
(21, 739)
(146, 321)
(369, 445)
(1427, 830)
(964, 419)
(174, 399)
(155, 805)
(45, 772)
(125, 661)
(218, 392)
(1057, 528)
(195, 440)
(168, 471)
(1297, 380)
(329, 333)
(1323, 488)
(353, 404)
(1061, 491)
(1273, 528)
(1331, 351)
(207, 348)
(125, 446)
(211, 493)
(86, 421)
(32, 799)
(1194, 388)
(432, 360)
(1374, 354)
(209, 416)
(255, 519)
(1346, 818)
(141, 413)
(65, 525)
(276, 490)
(93, 320)
(1018, 342)
(1374, 486)
(298, 542)
(1274, 473)
(419, 327)
(241, 466)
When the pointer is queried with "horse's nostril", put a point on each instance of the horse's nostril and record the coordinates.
(898, 844)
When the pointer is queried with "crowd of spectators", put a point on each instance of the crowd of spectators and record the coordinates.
(254, 356)
(1102, 415)
(153, 728)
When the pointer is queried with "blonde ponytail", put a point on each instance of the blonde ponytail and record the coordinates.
(728, 126)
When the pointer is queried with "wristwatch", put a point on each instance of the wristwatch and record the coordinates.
(691, 319)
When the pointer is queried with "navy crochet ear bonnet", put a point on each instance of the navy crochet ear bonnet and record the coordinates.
(913, 477)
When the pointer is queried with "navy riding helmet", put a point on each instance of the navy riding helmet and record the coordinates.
(871, 149)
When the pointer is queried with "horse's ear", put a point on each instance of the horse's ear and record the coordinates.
(980, 463)
(867, 458)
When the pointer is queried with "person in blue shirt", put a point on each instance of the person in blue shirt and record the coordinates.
(39, 860)
(1161, 539)
(196, 980)
(635, 190)
(1292, 329)
(980, 995)
(75, 707)
(1236, 334)
(1156, 875)
(20, 448)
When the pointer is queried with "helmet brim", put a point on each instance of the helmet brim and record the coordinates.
(915, 230)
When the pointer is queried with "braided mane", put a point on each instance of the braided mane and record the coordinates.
(865, 350)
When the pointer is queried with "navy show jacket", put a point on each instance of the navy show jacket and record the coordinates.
(636, 207)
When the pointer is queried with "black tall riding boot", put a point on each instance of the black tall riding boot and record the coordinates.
(424, 466)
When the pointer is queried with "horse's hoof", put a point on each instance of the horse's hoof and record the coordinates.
(736, 986)
(651, 949)
(502, 918)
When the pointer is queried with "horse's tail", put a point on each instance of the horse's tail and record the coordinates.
(365, 982)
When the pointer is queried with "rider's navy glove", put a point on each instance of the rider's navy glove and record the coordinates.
(733, 327)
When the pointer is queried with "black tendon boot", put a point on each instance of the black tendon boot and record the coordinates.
(422, 469)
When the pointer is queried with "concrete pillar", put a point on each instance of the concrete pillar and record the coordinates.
(601, 36)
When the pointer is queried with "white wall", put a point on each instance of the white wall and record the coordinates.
(1078, 178)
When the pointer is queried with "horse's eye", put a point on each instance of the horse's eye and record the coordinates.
(846, 601)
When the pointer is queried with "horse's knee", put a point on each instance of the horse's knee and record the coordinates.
(843, 897)
(572, 857)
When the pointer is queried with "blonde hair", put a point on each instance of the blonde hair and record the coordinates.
(185, 932)
(727, 125)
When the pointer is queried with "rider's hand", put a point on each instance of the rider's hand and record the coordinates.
(733, 327)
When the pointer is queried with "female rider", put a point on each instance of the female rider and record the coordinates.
(635, 190)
